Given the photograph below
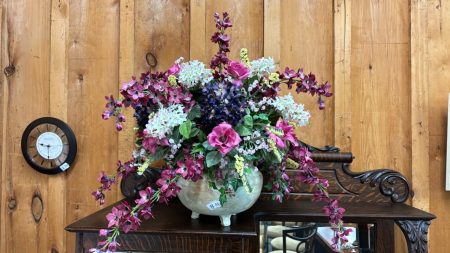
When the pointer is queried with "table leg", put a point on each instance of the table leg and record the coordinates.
(384, 236)
(416, 232)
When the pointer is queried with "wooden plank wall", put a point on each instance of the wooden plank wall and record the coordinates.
(387, 61)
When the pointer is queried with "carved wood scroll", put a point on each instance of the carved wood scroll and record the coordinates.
(381, 185)
(415, 232)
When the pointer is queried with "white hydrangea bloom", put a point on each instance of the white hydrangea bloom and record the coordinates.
(165, 120)
(193, 73)
(290, 111)
(262, 67)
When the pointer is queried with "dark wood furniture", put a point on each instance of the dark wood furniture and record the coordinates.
(369, 197)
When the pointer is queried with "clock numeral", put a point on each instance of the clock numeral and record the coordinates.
(42, 162)
(38, 130)
(56, 129)
(64, 153)
(51, 164)
(66, 144)
(59, 161)
(33, 137)
(32, 146)
(63, 135)
(35, 155)
(47, 127)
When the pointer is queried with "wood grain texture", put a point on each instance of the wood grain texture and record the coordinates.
(247, 18)
(272, 30)
(381, 91)
(92, 73)
(3, 114)
(126, 71)
(419, 105)
(342, 74)
(58, 109)
(27, 47)
(197, 29)
(439, 88)
(306, 41)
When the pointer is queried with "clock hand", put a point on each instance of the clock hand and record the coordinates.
(48, 151)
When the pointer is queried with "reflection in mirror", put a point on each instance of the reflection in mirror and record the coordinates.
(306, 237)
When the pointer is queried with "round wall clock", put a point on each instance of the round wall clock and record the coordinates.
(49, 145)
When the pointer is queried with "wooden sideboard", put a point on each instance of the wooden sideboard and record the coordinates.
(373, 197)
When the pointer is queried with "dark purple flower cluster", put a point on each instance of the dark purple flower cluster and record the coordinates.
(222, 39)
(222, 102)
(141, 114)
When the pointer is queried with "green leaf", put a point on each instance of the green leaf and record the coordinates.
(185, 128)
(234, 184)
(248, 170)
(202, 136)
(176, 134)
(270, 157)
(268, 186)
(247, 111)
(223, 196)
(232, 152)
(194, 132)
(231, 164)
(208, 146)
(248, 121)
(212, 185)
(200, 150)
(242, 130)
(179, 156)
(159, 153)
(194, 113)
(250, 157)
(213, 158)
(273, 116)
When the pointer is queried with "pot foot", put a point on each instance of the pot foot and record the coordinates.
(195, 215)
(225, 220)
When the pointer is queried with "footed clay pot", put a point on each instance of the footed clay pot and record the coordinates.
(198, 196)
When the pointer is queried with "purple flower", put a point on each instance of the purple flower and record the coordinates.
(147, 213)
(288, 134)
(131, 222)
(165, 180)
(136, 91)
(106, 114)
(238, 71)
(174, 70)
(113, 246)
(145, 196)
(119, 127)
(114, 217)
(224, 138)
(103, 232)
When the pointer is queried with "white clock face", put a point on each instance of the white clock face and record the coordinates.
(49, 145)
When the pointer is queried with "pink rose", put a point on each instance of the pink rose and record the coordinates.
(174, 70)
(238, 71)
(224, 138)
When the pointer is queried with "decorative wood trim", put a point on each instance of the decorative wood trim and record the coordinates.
(420, 140)
(342, 74)
(314, 149)
(416, 233)
(385, 178)
(131, 185)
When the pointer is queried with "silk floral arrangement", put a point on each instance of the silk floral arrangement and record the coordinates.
(202, 121)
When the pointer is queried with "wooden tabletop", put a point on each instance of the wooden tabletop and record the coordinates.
(175, 218)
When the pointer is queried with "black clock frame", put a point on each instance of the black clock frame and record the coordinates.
(70, 137)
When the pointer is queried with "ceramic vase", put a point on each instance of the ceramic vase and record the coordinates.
(201, 199)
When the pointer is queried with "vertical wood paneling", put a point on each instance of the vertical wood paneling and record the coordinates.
(27, 47)
(198, 31)
(419, 106)
(438, 79)
(342, 73)
(307, 42)
(247, 18)
(272, 27)
(381, 93)
(126, 71)
(93, 72)
(3, 114)
(58, 109)
(381, 123)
